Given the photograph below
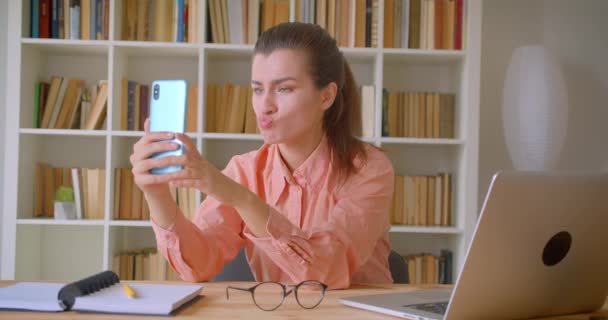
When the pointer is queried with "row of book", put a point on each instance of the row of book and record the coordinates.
(160, 20)
(143, 264)
(422, 200)
(135, 106)
(424, 24)
(69, 103)
(425, 268)
(230, 109)
(70, 19)
(88, 185)
(241, 21)
(130, 204)
(186, 201)
(351, 23)
(418, 114)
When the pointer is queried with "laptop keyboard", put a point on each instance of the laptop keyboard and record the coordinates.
(435, 307)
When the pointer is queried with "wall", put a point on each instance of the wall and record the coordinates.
(3, 27)
(572, 31)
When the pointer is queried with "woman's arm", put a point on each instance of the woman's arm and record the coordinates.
(200, 174)
(332, 253)
(196, 252)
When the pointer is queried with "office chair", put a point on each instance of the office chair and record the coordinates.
(398, 268)
(238, 269)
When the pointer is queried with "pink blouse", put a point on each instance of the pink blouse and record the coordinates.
(319, 230)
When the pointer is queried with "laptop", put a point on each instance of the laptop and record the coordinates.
(540, 248)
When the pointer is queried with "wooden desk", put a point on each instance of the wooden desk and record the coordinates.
(213, 305)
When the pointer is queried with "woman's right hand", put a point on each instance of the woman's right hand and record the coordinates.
(141, 162)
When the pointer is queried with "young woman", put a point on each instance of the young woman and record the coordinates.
(311, 204)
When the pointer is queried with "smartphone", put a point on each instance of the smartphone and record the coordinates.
(168, 114)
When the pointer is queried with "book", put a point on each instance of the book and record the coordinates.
(102, 292)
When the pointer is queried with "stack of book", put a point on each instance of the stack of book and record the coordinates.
(129, 201)
(422, 200)
(67, 103)
(70, 19)
(418, 114)
(240, 21)
(425, 268)
(229, 109)
(351, 23)
(143, 264)
(424, 24)
(160, 20)
(88, 185)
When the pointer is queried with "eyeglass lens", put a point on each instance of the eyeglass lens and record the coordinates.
(268, 295)
(309, 294)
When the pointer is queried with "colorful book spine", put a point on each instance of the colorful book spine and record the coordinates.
(45, 19)
(35, 25)
(180, 21)
(74, 19)
(93, 17)
(99, 32)
(37, 105)
(54, 19)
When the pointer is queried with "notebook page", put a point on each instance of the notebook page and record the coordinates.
(158, 299)
(37, 296)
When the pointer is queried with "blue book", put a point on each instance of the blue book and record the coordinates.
(93, 17)
(99, 20)
(35, 25)
(180, 20)
(54, 20)
(60, 20)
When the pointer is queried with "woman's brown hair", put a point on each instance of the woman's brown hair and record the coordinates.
(342, 120)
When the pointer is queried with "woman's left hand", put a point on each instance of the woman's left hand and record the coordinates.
(198, 173)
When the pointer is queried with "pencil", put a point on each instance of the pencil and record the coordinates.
(128, 290)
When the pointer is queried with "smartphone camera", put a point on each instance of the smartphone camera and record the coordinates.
(156, 91)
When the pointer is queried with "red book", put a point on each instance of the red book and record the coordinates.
(44, 28)
(459, 25)
(439, 25)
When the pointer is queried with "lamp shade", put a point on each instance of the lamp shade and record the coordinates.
(534, 109)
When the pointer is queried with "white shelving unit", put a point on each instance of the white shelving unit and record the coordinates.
(39, 249)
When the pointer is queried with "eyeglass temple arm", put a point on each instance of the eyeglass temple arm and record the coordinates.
(236, 288)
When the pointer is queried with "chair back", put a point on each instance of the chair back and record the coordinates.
(398, 267)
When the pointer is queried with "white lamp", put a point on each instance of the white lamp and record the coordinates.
(534, 109)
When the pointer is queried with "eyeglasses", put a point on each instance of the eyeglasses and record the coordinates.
(269, 295)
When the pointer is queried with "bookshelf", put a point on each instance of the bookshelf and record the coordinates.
(47, 249)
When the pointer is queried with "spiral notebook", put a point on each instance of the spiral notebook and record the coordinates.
(102, 292)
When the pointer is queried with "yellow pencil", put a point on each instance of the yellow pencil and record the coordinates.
(130, 292)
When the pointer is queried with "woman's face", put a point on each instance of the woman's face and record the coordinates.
(289, 108)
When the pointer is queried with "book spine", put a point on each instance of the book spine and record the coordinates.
(35, 19)
(131, 106)
(37, 105)
(368, 23)
(93, 18)
(99, 19)
(180, 20)
(60, 20)
(75, 19)
(45, 19)
(54, 19)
